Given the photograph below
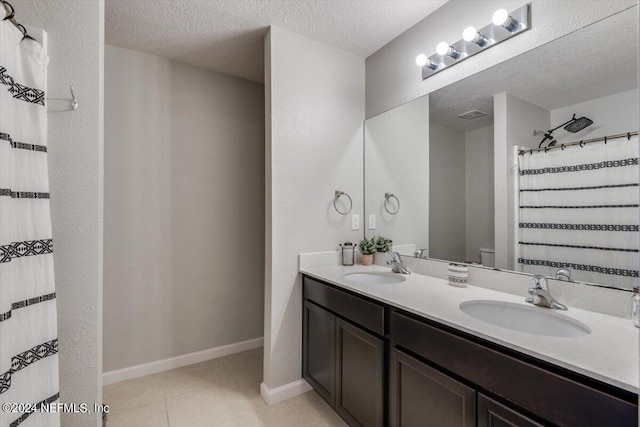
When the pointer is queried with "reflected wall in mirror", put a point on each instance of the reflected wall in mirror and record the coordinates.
(397, 162)
(468, 196)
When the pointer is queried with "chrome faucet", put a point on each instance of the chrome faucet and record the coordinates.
(396, 264)
(541, 295)
(420, 253)
(563, 274)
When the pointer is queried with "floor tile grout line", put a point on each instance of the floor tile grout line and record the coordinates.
(166, 403)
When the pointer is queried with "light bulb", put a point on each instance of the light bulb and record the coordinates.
(500, 17)
(421, 60)
(442, 48)
(469, 34)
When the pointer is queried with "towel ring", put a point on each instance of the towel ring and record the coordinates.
(336, 196)
(387, 197)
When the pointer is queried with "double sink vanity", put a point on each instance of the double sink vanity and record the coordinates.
(459, 175)
(392, 349)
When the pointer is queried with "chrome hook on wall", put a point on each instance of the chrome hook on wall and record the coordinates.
(387, 197)
(337, 195)
(74, 101)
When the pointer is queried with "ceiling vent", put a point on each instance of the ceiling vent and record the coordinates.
(473, 114)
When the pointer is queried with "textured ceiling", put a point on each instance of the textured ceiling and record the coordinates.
(596, 61)
(227, 35)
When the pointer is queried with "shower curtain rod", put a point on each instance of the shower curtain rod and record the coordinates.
(581, 143)
(11, 18)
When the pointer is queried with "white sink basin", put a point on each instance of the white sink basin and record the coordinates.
(375, 278)
(524, 318)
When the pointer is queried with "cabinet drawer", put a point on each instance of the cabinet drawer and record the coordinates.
(560, 400)
(366, 314)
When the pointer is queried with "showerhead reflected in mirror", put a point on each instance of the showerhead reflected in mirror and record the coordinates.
(574, 125)
(460, 201)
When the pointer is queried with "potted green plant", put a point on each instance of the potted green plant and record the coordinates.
(367, 248)
(383, 246)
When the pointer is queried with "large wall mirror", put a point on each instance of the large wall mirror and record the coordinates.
(457, 175)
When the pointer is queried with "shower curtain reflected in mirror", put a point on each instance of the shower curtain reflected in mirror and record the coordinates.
(28, 329)
(579, 210)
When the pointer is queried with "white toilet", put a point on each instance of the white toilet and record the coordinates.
(488, 257)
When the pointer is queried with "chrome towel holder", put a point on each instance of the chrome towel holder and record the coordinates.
(387, 197)
(337, 195)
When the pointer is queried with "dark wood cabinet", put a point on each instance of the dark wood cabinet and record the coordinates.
(378, 365)
(359, 385)
(344, 363)
(556, 395)
(421, 396)
(319, 355)
(494, 414)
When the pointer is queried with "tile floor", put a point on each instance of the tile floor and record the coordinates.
(223, 392)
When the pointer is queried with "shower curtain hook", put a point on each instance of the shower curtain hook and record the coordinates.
(605, 140)
(562, 147)
(531, 152)
(11, 14)
(581, 144)
(628, 136)
(74, 101)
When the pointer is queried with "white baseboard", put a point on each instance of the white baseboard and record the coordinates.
(284, 392)
(118, 375)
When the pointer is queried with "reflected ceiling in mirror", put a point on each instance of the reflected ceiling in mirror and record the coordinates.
(590, 63)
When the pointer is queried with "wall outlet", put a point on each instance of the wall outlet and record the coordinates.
(372, 222)
(355, 222)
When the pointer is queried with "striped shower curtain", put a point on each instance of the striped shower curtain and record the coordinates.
(28, 331)
(579, 210)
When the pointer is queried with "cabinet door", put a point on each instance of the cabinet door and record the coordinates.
(494, 414)
(318, 350)
(421, 396)
(360, 358)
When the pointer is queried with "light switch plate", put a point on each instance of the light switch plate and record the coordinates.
(355, 222)
(372, 222)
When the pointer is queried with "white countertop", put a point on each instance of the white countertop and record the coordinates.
(609, 354)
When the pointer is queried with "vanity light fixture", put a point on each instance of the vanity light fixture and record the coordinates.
(503, 26)
(470, 34)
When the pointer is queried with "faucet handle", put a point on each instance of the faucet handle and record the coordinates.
(395, 257)
(539, 282)
(563, 274)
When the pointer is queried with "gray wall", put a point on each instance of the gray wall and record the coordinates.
(397, 161)
(315, 111)
(611, 115)
(447, 222)
(479, 191)
(76, 51)
(393, 77)
(184, 209)
(514, 122)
